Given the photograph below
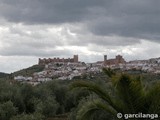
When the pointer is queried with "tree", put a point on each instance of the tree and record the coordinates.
(7, 110)
(48, 107)
(129, 96)
(27, 93)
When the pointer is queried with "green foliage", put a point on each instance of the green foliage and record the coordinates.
(7, 110)
(35, 116)
(87, 109)
(48, 99)
(128, 96)
(2, 75)
(27, 92)
(107, 96)
(29, 71)
(47, 107)
(109, 72)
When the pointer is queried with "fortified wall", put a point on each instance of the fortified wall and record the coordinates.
(54, 60)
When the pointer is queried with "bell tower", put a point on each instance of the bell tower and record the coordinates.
(75, 57)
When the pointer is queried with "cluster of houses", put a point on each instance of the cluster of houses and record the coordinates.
(151, 65)
(60, 71)
(70, 70)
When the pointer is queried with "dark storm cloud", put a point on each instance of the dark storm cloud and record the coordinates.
(140, 19)
(136, 18)
(47, 11)
(131, 20)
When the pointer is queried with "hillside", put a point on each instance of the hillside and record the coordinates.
(2, 75)
(29, 71)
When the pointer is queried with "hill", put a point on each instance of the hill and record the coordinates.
(2, 75)
(29, 71)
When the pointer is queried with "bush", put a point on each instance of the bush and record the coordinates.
(7, 110)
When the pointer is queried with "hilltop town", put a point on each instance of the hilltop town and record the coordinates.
(69, 68)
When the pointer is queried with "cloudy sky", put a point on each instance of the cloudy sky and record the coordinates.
(32, 29)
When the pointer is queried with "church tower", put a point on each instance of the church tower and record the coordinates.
(75, 57)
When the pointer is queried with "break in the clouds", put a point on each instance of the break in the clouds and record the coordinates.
(90, 28)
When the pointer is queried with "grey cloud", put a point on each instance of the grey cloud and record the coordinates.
(103, 23)
(105, 41)
(21, 40)
(48, 11)
(133, 19)
(129, 26)
(28, 51)
(32, 37)
(138, 19)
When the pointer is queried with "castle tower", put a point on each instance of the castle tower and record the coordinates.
(105, 58)
(39, 61)
(75, 57)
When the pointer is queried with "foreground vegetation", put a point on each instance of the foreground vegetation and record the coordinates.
(127, 96)
(97, 97)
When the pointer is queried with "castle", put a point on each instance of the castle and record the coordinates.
(54, 60)
(118, 60)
